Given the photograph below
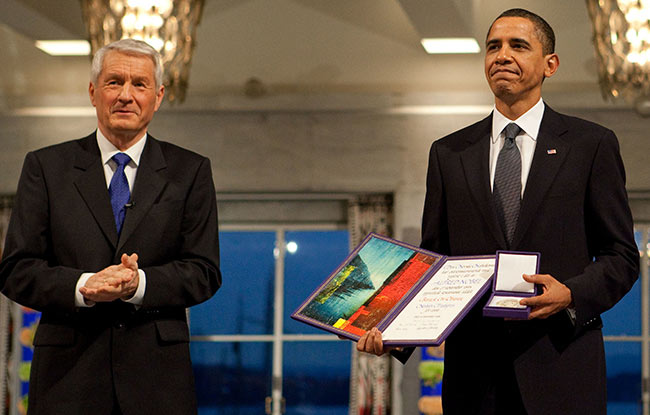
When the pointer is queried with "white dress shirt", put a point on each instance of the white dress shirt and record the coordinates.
(108, 150)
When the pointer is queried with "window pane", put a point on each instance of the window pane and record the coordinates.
(232, 378)
(244, 303)
(623, 378)
(317, 377)
(625, 317)
(311, 257)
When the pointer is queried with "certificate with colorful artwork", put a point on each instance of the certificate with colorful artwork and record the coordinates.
(414, 296)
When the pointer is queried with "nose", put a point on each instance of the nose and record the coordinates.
(125, 93)
(504, 56)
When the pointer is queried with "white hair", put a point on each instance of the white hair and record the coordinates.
(129, 47)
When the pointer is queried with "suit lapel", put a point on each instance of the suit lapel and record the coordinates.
(149, 183)
(550, 152)
(475, 161)
(91, 184)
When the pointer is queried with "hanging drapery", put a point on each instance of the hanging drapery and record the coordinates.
(370, 377)
(6, 202)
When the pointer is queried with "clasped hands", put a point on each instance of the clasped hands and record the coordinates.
(113, 282)
(554, 298)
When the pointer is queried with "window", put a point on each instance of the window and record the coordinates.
(249, 356)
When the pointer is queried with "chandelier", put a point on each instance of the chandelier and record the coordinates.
(169, 26)
(622, 41)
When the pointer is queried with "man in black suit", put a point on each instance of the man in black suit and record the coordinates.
(112, 236)
(570, 205)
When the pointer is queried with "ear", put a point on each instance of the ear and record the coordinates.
(159, 96)
(552, 62)
(91, 92)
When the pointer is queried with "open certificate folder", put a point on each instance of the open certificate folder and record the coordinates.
(415, 297)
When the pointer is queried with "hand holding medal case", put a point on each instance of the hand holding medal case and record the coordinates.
(509, 287)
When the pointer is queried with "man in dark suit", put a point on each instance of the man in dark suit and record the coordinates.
(111, 237)
(570, 204)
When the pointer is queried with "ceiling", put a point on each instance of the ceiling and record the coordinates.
(363, 50)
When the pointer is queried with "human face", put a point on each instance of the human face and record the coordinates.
(125, 97)
(515, 65)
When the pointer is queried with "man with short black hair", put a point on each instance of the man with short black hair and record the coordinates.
(527, 178)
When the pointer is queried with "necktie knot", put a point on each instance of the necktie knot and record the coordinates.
(512, 130)
(122, 159)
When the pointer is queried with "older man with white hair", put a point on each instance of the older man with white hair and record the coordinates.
(111, 237)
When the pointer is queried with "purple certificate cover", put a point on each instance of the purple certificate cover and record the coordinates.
(371, 288)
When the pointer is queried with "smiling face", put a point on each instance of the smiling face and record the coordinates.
(515, 64)
(125, 97)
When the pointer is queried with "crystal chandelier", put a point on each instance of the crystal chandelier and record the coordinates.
(169, 26)
(622, 41)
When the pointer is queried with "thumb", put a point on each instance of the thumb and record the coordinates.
(530, 278)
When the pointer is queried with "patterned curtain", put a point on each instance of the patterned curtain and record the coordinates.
(6, 202)
(370, 377)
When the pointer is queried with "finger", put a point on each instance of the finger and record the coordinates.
(534, 278)
(127, 261)
(377, 343)
(87, 291)
(361, 344)
(533, 301)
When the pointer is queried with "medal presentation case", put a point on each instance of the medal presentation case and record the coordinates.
(509, 286)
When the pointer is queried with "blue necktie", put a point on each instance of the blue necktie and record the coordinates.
(507, 183)
(119, 190)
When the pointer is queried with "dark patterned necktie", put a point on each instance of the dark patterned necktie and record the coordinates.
(507, 183)
(119, 190)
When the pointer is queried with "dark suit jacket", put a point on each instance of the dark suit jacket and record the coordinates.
(62, 225)
(575, 212)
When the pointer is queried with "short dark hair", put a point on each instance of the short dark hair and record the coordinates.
(543, 30)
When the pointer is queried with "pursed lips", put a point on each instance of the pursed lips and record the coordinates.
(505, 70)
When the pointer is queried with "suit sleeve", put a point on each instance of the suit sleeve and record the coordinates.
(610, 235)
(193, 275)
(29, 274)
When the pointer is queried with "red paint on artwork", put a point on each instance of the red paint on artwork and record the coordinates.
(391, 292)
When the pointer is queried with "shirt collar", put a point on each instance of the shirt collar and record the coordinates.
(108, 150)
(529, 122)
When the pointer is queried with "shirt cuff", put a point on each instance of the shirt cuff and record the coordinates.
(572, 315)
(79, 300)
(138, 296)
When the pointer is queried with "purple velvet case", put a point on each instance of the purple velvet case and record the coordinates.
(508, 286)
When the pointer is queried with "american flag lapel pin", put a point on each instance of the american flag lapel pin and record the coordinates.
(551, 151)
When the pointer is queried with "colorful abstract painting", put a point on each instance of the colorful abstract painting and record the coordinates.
(361, 292)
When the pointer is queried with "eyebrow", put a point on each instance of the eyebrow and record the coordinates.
(513, 40)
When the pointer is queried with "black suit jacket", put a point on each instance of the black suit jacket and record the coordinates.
(575, 212)
(62, 225)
